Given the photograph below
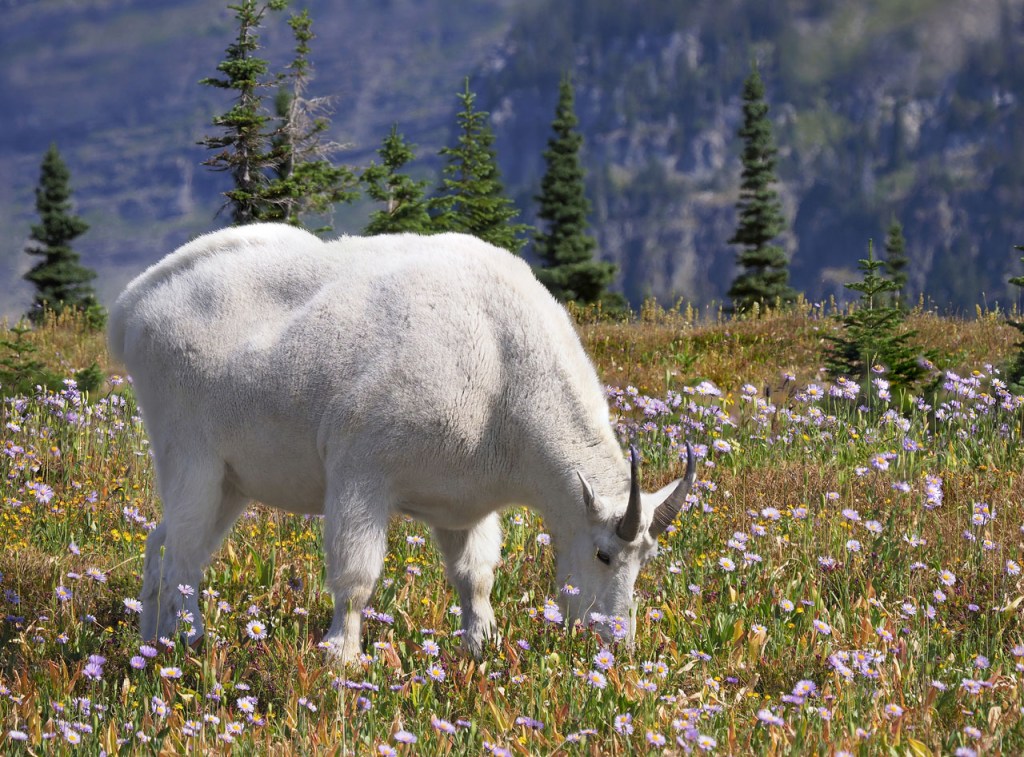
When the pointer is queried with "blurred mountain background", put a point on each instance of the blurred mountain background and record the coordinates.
(898, 108)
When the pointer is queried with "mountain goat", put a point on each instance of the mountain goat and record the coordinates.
(431, 376)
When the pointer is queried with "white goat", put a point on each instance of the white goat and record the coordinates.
(432, 376)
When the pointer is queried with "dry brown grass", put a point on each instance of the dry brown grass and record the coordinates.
(661, 349)
(668, 349)
(65, 344)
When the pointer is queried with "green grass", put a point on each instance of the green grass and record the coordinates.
(731, 614)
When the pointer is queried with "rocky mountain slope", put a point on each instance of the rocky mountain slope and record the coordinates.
(905, 108)
(115, 84)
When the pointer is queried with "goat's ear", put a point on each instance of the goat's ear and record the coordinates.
(588, 494)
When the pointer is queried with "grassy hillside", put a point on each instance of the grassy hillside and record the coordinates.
(847, 578)
(660, 349)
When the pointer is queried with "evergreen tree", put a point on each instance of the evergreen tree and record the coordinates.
(896, 260)
(61, 281)
(765, 275)
(305, 181)
(471, 198)
(404, 207)
(874, 333)
(566, 251)
(243, 146)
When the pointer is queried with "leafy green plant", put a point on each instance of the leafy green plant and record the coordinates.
(90, 378)
(1015, 372)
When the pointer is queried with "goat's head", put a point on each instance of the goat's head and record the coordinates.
(599, 565)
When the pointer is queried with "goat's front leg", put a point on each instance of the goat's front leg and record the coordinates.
(355, 542)
(471, 557)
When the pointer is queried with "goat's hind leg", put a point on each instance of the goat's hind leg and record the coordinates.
(199, 509)
(152, 568)
(471, 557)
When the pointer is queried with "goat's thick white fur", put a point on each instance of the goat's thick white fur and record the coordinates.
(359, 378)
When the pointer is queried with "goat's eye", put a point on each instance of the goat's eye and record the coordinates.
(603, 557)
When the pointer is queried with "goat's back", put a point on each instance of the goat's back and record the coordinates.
(413, 347)
(235, 290)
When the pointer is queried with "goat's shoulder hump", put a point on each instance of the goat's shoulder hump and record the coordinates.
(262, 238)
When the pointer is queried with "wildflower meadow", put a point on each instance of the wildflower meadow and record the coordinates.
(845, 579)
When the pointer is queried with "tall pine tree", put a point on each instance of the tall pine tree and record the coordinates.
(304, 180)
(404, 210)
(61, 281)
(896, 261)
(471, 198)
(566, 251)
(244, 149)
(765, 275)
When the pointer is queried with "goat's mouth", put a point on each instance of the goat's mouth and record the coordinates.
(611, 628)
